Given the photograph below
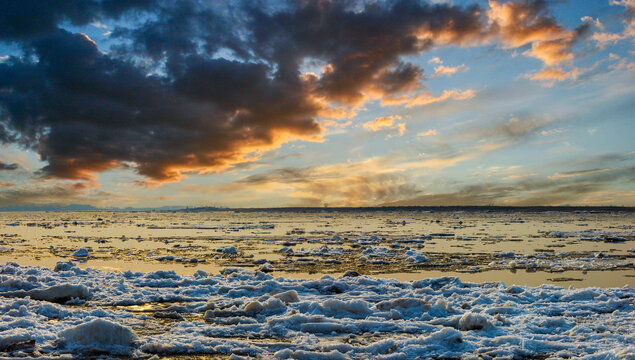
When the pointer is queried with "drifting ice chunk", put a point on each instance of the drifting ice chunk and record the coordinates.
(99, 333)
(267, 267)
(508, 254)
(57, 293)
(81, 253)
(228, 250)
(414, 256)
(60, 292)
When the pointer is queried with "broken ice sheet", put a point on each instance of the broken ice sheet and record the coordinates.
(248, 313)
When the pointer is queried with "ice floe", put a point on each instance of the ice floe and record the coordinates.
(247, 313)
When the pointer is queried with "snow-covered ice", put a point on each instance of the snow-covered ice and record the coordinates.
(83, 252)
(68, 310)
(101, 334)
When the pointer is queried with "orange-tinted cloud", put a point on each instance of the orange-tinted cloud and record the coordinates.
(567, 174)
(385, 123)
(550, 75)
(523, 22)
(382, 122)
(163, 102)
(519, 23)
(449, 70)
(552, 51)
(430, 132)
(348, 184)
(427, 98)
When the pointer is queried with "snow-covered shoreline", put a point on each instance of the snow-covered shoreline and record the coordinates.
(68, 310)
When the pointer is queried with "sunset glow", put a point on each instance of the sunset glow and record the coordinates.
(313, 103)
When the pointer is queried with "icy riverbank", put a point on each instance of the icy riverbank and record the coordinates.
(67, 310)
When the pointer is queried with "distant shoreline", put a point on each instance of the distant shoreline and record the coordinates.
(426, 208)
(470, 208)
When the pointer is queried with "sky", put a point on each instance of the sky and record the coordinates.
(267, 103)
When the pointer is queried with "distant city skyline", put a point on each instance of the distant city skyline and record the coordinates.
(342, 103)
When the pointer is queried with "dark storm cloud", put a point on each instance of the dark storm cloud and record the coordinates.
(359, 46)
(87, 112)
(163, 102)
(182, 28)
(7, 167)
(23, 19)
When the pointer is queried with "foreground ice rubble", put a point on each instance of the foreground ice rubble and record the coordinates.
(248, 313)
(100, 334)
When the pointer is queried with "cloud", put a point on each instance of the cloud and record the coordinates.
(348, 184)
(629, 25)
(550, 75)
(8, 167)
(551, 132)
(381, 123)
(20, 20)
(381, 181)
(522, 23)
(629, 4)
(449, 158)
(430, 132)
(42, 194)
(95, 112)
(621, 64)
(331, 123)
(427, 98)
(514, 128)
(99, 25)
(362, 46)
(387, 123)
(449, 70)
(605, 37)
(578, 173)
(582, 189)
(199, 87)
(595, 22)
(553, 74)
